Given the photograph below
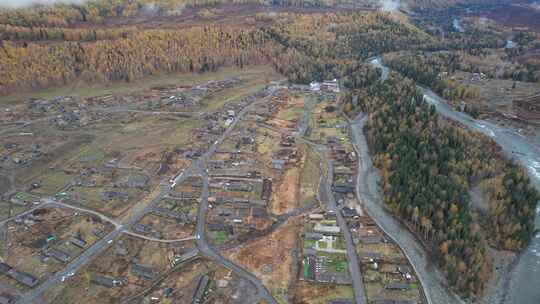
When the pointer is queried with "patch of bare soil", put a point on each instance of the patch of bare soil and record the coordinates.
(272, 258)
(286, 196)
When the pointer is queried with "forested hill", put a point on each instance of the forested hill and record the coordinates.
(62, 15)
(121, 40)
(302, 47)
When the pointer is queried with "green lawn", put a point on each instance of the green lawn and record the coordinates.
(305, 269)
(220, 237)
(339, 243)
(309, 243)
(335, 262)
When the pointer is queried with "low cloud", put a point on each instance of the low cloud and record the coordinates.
(390, 5)
(25, 3)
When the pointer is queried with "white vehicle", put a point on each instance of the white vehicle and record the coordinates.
(176, 177)
(109, 241)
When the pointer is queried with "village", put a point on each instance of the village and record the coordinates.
(224, 191)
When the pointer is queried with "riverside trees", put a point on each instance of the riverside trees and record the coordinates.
(428, 167)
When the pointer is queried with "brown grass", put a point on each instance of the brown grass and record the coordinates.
(276, 251)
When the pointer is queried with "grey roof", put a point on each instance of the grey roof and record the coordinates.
(370, 239)
(103, 280)
(201, 287)
(110, 195)
(313, 236)
(398, 286)
(343, 189)
(186, 256)
(348, 212)
(216, 226)
(59, 255)
(7, 298)
(341, 301)
(370, 255)
(258, 212)
(78, 242)
(23, 278)
(142, 271)
(4, 268)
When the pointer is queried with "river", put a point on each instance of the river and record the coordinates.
(456, 24)
(525, 276)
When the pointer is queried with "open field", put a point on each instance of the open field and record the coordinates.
(313, 293)
(275, 261)
(84, 90)
(309, 183)
(286, 196)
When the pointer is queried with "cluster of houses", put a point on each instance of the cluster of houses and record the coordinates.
(239, 193)
(214, 124)
(323, 246)
(71, 119)
(20, 154)
(65, 111)
(232, 214)
(180, 206)
(142, 273)
(331, 86)
(287, 154)
(46, 247)
(382, 261)
(23, 199)
(113, 183)
(185, 98)
(50, 250)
